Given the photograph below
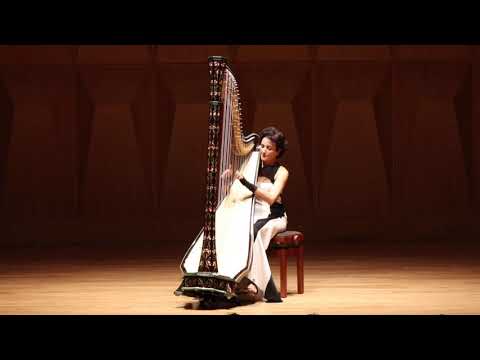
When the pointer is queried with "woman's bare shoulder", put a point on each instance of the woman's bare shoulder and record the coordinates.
(282, 170)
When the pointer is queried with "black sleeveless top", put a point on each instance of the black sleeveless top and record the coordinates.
(276, 209)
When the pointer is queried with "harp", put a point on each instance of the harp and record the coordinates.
(221, 254)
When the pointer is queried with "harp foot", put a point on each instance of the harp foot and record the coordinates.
(217, 302)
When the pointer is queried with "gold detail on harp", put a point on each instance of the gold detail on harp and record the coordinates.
(239, 146)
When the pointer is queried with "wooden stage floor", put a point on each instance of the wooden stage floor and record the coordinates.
(335, 284)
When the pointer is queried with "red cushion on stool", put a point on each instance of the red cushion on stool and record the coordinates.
(287, 239)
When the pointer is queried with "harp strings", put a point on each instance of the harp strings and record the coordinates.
(229, 161)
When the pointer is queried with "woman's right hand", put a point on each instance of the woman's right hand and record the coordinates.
(238, 175)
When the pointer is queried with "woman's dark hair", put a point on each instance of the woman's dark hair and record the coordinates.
(277, 137)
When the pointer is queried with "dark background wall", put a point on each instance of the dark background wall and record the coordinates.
(106, 145)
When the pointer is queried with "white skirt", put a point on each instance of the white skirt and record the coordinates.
(260, 272)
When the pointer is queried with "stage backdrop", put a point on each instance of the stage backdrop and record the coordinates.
(106, 145)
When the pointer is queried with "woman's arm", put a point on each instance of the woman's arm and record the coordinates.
(280, 182)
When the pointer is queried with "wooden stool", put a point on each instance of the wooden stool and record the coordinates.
(289, 243)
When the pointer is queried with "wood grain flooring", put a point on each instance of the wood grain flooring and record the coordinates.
(360, 284)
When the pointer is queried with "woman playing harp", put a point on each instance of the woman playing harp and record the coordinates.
(217, 263)
(270, 216)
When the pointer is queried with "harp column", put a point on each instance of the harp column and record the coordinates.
(183, 71)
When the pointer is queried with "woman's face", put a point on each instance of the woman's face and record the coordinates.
(268, 151)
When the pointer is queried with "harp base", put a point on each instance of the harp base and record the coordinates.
(200, 292)
(207, 284)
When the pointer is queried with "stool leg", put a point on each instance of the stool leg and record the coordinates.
(300, 279)
(283, 272)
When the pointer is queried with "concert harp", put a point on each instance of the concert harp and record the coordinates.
(221, 254)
